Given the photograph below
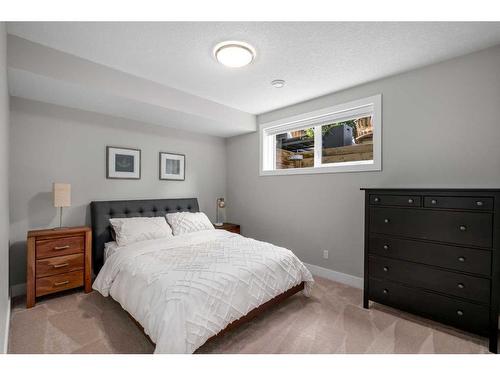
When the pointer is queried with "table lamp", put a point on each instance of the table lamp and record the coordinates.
(220, 204)
(62, 198)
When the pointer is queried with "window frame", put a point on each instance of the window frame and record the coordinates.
(318, 118)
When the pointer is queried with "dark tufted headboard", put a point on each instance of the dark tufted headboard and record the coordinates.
(102, 211)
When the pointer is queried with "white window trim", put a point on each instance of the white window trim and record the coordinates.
(316, 118)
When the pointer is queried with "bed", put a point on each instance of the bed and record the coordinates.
(185, 290)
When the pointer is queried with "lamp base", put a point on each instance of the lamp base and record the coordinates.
(218, 224)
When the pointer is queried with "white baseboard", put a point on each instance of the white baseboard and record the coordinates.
(7, 328)
(18, 290)
(340, 277)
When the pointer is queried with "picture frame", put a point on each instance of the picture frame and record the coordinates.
(172, 166)
(123, 163)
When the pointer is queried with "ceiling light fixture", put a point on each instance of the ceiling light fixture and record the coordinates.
(278, 83)
(234, 54)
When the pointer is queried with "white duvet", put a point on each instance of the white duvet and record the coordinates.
(185, 289)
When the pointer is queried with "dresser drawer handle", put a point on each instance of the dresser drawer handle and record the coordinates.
(479, 203)
(61, 283)
(386, 221)
(462, 228)
(460, 285)
(61, 247)
(60, 265)
(386, 269)
(386, 247)
(385, 291)
(461, 259)
(376, 199)
(460, 313)
(434, 201)
(410, 201)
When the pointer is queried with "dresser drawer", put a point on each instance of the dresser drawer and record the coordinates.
(425, 277)
(56, 283)
(57, 265)
(59, 246)
(467, 228)
(447, 256)
(467, 203)
(461, 314)
(395, 200)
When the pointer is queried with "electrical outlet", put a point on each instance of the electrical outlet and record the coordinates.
(325, 254)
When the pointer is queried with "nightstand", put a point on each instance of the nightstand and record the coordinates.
(235, 228)
(58, 259)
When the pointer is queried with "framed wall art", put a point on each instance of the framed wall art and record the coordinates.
(172, 166)
(123, 163)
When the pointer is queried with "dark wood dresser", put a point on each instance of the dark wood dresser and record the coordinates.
(58, 259)
(435, 253)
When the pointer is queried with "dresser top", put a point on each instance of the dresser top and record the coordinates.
(58, 231)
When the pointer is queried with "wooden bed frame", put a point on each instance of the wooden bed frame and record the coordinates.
(245, 318)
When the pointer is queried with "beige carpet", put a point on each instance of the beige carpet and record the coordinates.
(332, 321)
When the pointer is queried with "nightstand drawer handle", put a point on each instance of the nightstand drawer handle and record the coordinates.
(460, 313)
(479, 203)
(460, 285)
(386, 221)
(61, 247)
(462, 228)
(461, 259)
(386, 269)
(386, 247)
(61, 283)
(60, 265)
(410, 201)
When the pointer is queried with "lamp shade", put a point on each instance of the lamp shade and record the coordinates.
(62, 195)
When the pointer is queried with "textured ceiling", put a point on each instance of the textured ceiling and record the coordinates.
(313, 58)
(44, 74)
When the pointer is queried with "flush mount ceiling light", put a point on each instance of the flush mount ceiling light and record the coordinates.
(278, 83)
(234, 54)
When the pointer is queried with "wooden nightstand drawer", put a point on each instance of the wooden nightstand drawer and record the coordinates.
(57, 283)
(59, 246)
(58, 259)
(63, 264)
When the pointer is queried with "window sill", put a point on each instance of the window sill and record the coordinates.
(342, 168)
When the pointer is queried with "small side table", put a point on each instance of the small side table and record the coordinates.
(235, 228)
(58, 259)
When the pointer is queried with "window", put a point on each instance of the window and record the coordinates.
(343, 138)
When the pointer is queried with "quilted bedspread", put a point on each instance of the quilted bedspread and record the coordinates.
(184, 290)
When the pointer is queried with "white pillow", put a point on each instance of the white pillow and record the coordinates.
(187, 222)
(133, 229)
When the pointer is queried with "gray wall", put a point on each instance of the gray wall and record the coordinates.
(55, 144)
(441, 128)
(4, 190)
